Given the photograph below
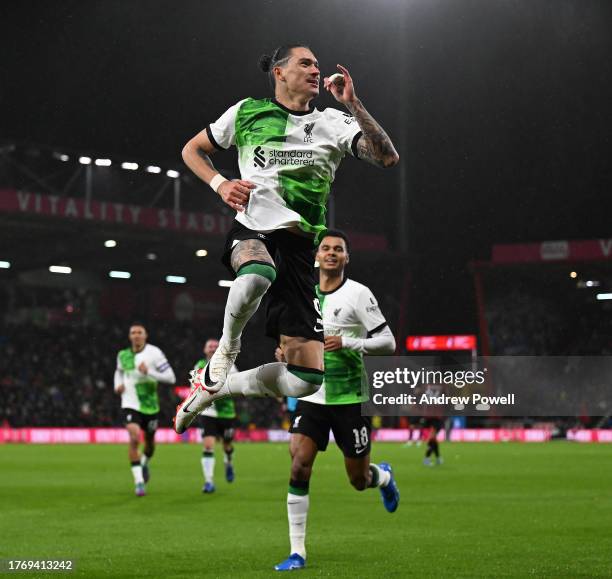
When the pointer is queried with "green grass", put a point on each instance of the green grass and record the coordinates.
(492, 510)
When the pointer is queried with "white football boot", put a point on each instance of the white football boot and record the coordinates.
(205, 383)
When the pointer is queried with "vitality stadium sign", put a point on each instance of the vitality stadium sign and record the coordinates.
(114, 213)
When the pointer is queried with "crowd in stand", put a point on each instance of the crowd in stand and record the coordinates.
(58, 355)
(522, 323)
(60, 373)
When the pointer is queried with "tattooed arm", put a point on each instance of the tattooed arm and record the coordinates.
(374, 145)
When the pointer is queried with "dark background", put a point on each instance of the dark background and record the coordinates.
(500, 109)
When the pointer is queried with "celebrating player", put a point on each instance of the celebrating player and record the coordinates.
(288, 155)
(139, 369)
(216, 422)
(353, 326)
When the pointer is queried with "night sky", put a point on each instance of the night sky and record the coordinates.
(500, 110)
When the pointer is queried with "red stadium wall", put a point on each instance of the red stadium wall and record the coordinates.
(168, 436)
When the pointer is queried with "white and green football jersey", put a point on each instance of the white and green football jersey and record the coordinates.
(141, 389)
(351, 310)
(290, 156)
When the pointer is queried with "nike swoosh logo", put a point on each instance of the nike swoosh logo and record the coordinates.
(318, 330)
(360, 451)
(186, 407)
(207, 380)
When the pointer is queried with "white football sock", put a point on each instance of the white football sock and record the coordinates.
(274, 379)
(297, 511)
(383, 475)
(137, 474)
(242, 302)
(208, 467)
(144, 460)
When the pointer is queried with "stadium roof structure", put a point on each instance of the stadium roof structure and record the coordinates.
(60, 207)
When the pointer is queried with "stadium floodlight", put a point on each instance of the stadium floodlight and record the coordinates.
(5, 264)
(592, 283)
(85, 160)
(153, 169)
(110, 243)
(173, 174)
(151, 256)
(176, 279)
(573, 274)
(60, 269)
(225, 283)
(129, 166)
(103, 162)
(120, 274)
(201, 253)
(602, 297)
(60, 156)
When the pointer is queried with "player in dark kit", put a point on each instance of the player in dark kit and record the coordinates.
(432, 427)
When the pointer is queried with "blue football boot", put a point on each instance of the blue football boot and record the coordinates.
(390, 493)
(293, 563)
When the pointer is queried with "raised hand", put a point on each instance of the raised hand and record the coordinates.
(343, 92)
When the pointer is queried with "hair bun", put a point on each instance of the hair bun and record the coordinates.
(265, 62)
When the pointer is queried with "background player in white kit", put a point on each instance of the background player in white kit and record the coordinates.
(288, 153)
(354, 325)
(216, 422)
(139, 370)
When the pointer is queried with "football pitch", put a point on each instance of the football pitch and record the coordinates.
(491, 510)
